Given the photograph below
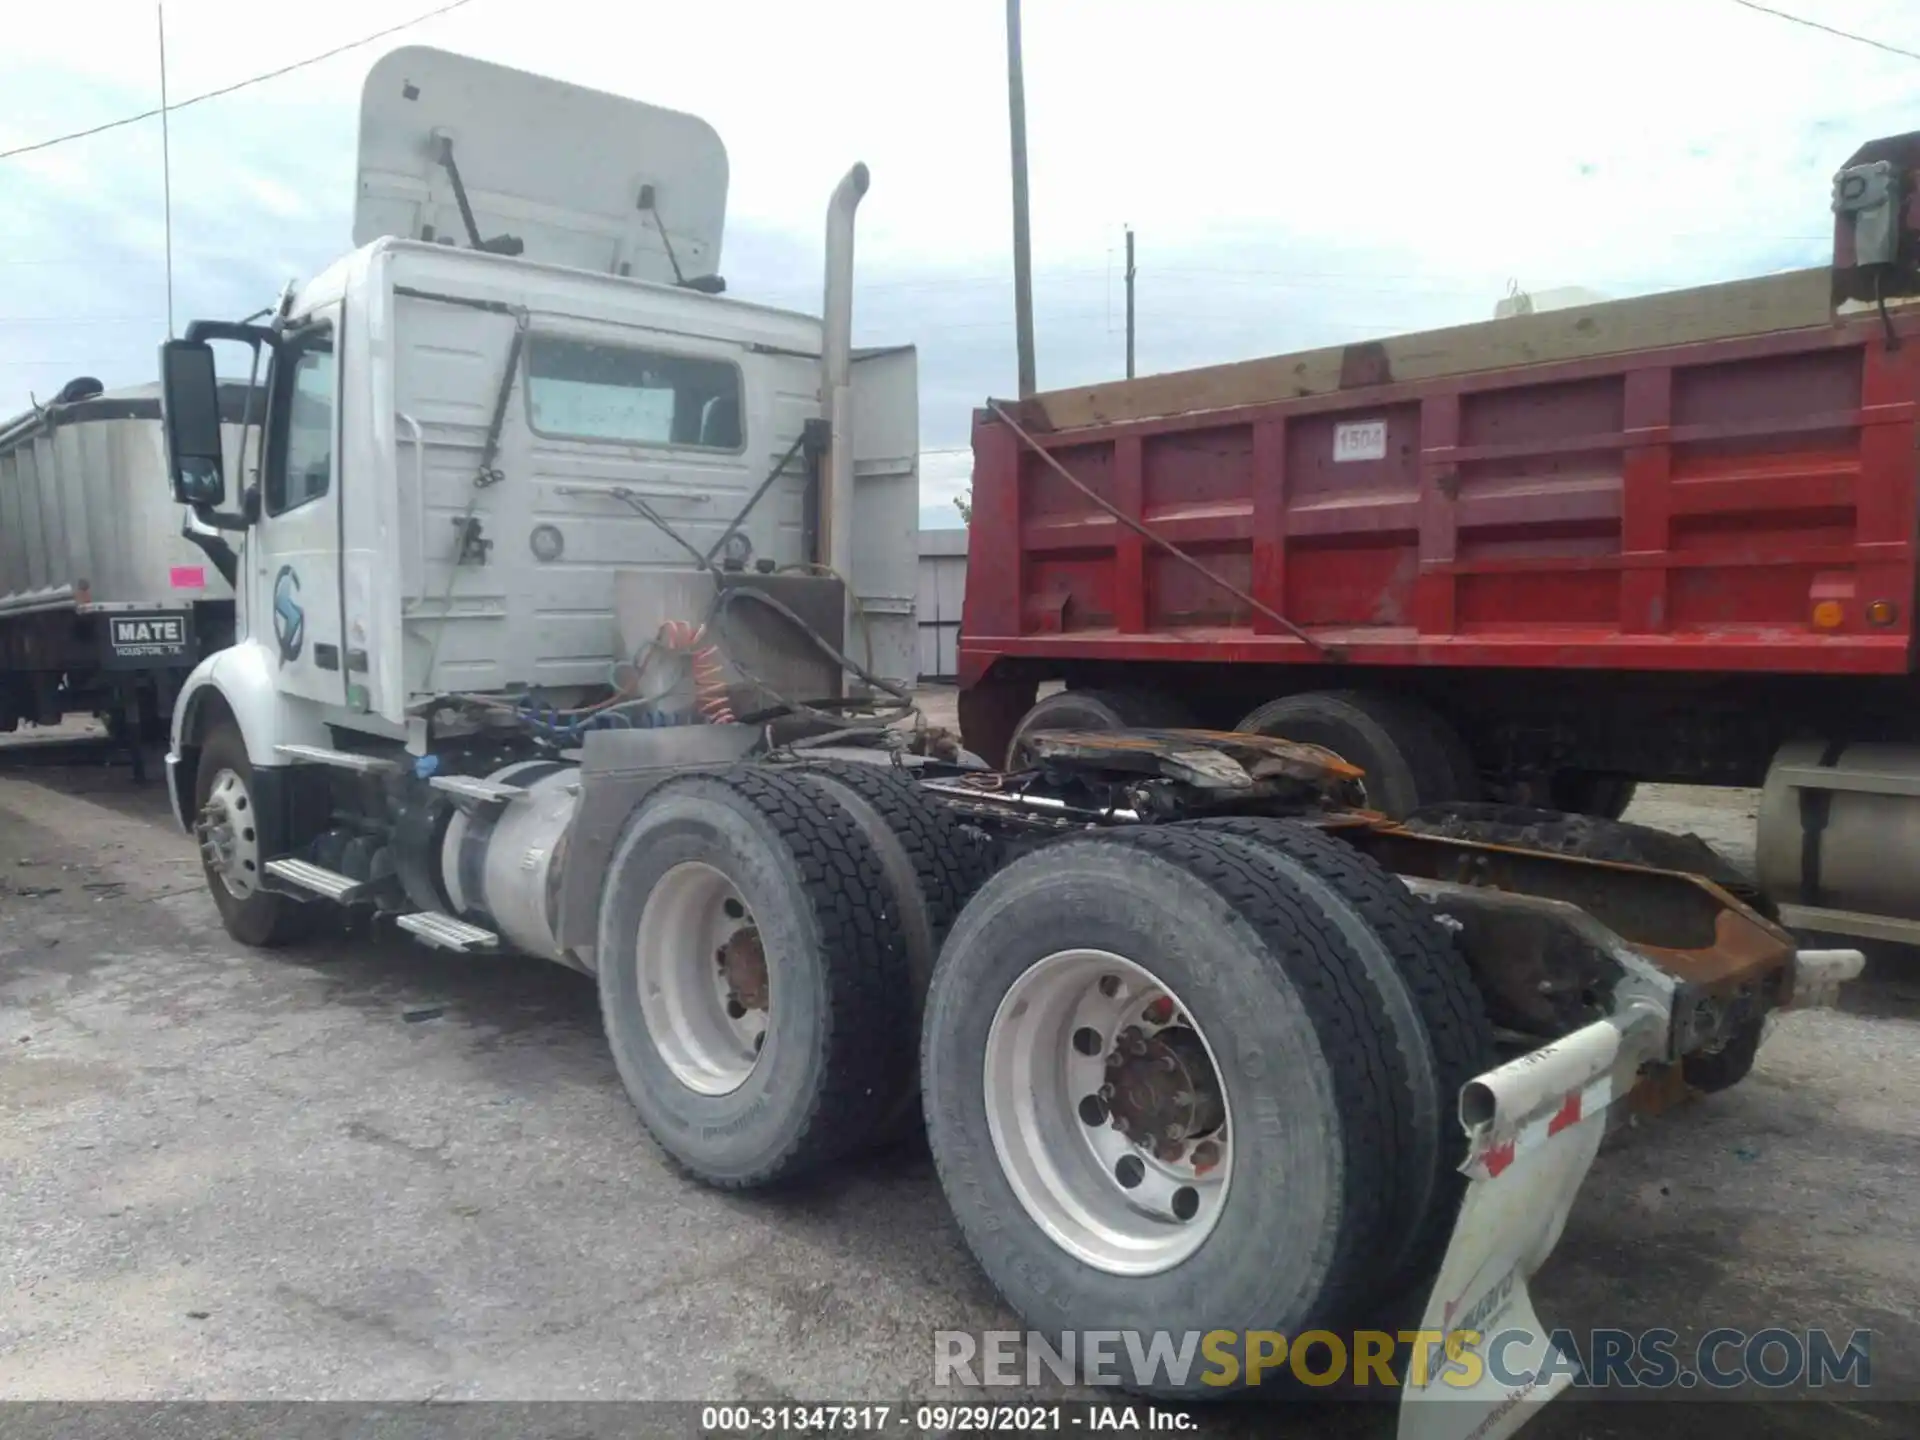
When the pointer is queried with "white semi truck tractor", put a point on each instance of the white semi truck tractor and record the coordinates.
(575, 620)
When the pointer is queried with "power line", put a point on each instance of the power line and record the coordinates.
(165, 109)
(1811, 25)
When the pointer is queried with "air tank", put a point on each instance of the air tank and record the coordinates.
(1839, 838)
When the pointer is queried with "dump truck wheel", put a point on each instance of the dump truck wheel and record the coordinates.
(1411, 756)
(1158, 1094)
(228, 827)
(1426, 991)
(755, 997)
(1096, 710)
(929, 867)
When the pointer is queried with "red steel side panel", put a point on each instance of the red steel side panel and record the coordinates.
(1680, 509)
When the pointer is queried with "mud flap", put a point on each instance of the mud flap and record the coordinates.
(1484, 1365)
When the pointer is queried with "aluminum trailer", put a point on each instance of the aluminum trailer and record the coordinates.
(105, 605)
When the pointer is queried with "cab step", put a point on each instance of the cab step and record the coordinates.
(338, 759)
(470, 792)
(448, 933)
(318, 880)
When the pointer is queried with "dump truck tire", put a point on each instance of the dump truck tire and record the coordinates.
(929, 867)
(232, 852)
(1096, 710)
(1413, 955)
(755, 997)
(1411, 756)
(1032, 1001)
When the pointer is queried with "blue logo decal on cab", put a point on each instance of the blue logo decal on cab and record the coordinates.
(289, 620)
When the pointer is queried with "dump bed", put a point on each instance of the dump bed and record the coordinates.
(86, 516)
(1714, 480)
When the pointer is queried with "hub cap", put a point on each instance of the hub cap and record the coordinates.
(1107, 1113)
(706, 993)
(229, 843)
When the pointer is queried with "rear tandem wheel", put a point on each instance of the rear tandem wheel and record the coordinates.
(1160, 1095)
(754, 996)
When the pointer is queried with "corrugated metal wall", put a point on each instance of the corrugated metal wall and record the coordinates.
(943, 583)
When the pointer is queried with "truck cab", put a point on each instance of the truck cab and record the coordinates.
(506, 434)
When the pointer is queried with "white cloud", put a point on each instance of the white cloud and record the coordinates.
(945, 475)
(1299, 173)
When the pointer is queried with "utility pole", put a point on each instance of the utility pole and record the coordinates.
(1129, 302)
(166, 162)
(1022, 240)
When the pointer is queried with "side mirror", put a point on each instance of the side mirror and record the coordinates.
(190, 410)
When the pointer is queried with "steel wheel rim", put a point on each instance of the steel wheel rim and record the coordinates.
(693, 959)
(229, 842)
(1067, 1164)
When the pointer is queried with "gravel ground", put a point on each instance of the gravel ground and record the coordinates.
(364, 1170)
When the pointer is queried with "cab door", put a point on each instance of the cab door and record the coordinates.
(296, 557)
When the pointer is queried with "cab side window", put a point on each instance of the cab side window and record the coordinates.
(301, 466)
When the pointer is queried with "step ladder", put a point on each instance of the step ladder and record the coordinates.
(338, 759)
(445, 932)
(318, 880)
(474, 795)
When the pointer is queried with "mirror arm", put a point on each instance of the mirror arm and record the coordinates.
(221, 519)
(200, 330)
(225, 559)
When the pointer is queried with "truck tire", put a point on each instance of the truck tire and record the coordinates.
(929, 868)
(1453, 1037)
(1047, 985)
(1592, 792)
(1096, 710)
(1411, 756)
(226, 823)
(754, 996)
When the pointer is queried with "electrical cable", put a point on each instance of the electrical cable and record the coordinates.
(1811, 25)
(175, 108)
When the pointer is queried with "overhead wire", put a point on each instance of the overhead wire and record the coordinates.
(1828, 29)
(251, 80)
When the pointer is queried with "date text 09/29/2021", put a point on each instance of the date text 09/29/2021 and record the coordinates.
(941, 1419)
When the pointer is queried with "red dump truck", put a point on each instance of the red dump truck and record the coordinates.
(1530, 561)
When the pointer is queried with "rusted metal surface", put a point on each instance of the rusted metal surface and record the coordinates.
(1659, 909)
(1544, 933)
(1161, 1091)
(1210, 759)
(743, 965)
(1661, 1088)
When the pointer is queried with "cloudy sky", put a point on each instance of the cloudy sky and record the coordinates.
(1298, 173)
